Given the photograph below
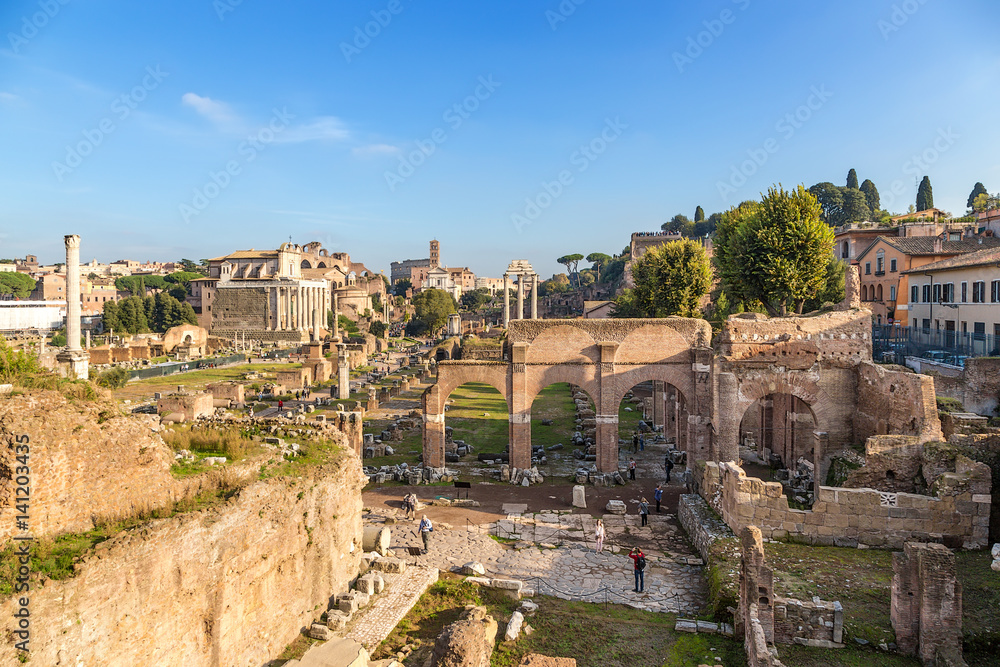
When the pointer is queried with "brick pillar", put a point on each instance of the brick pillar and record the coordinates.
(926, 610)
(607, 410)
(700, 441)
(659, 419)
(433, 440)
(520, 410)
(756, 584)
(728, 419)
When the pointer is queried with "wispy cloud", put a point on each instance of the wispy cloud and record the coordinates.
(374, 150)
(323, 128)
(215, 111)
(10, 98)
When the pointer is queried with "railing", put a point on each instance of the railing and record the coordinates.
(894, 343)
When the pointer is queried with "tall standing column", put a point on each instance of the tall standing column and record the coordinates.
(506, 300)
(273, 294)
(520, 297)
(288, 308)
(343, 372)
(74, 361)
(534, 296)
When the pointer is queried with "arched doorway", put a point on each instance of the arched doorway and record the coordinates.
(778, 441)
(476, 415)
(562, 415)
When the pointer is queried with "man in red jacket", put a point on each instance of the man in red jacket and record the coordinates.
(639, 565)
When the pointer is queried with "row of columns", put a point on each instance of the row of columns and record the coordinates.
(299, 308)
(523, 280)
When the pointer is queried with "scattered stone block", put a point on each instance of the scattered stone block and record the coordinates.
(511, 587)
(474, 569)
(514, 626)
(366, 584)
(389, 565)
(708, 628)
(528, 608)
(479, 581)
(320, 631)
(336, 620)
(686, 626)
(615, 507)
(580, 496)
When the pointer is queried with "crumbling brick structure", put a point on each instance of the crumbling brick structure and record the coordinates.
(927, 604)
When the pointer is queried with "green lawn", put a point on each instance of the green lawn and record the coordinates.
(555, 402)
(477, 414)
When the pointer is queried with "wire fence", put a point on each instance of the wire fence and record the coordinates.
(172, 368)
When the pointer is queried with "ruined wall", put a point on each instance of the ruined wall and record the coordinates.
(958, 513)
(978, 387)
(817, 623)
(895, 402)
(234, 391)
(225, 587)
(192, 406)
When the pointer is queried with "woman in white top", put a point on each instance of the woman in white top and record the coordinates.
(599, 535)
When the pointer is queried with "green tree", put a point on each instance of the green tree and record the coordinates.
(831, 200)
(699, 214)
(132, 315)
(113, 378)
(17, 285)
(977, 189)
(871, 196)
(598, 259)
(925, 195)
(111, 319)
(679, 224)
(833, 290)
(475, 299)
(181, 281)
(852, 179)
(855, 206)
(775, 251)
(432, 308)
(571, 262)
(377, 329)
(670, 279)
(190, 266)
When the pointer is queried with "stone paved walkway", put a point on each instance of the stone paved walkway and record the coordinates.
(555, 555)
(374, 623)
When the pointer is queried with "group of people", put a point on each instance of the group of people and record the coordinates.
(638, 558)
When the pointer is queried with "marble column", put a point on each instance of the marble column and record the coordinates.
(506, 301)
(534, 296)
(74, 361)
(520, 297)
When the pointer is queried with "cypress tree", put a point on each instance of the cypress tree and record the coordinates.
(852, 179)
(699, 214)
(978, 189)
(871, 196)
(925, 195)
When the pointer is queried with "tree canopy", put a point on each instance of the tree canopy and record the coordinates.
(925, 195)
(475, 299)
(977, 189)
(399, 289)
(843, 205)
(433, 306)
(699, 214)
(775, 251)
(18, 285)
(852, 179)
(598, 259)
(871, 196)
(158, 313)
(670, 279)
(571, 262)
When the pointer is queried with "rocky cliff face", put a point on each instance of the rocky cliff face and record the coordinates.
(221, 587)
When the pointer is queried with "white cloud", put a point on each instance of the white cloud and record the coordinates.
(217, 112)
(323, 128)
(374, 150)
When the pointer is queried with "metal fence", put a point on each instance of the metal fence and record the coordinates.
(173, 367)
(894, 343)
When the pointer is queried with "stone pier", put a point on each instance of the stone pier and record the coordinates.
(74, 361)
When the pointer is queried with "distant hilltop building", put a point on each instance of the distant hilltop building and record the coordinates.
(643, 241)
(277, 294)
(428, 273)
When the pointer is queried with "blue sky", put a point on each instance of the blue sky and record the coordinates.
(191, 128)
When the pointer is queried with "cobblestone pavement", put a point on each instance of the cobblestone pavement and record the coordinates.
(374, 623)
(555, 555)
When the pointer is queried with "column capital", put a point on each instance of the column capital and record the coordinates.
(72, 241)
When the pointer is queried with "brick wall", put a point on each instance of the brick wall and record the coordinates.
(958, 513)
(895, 402)
(192, 406)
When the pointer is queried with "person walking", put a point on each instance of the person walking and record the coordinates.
(669, 465)
(599, 535)
(425, 529)
(658, 496)
(644, 511)
(281, 404)
(635, 442)
(638, 566)
(631, 468)
(411, 506)
(642, 442)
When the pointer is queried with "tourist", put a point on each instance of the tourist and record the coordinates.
(631, 468)
(638, 564)
(251, 412)
(642, 442)
(669, 465)
(281, 404)
(425, 529)
(599, 535)
(658, 496)
(635, 442)
(644, 510)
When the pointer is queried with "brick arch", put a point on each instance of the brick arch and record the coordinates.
(452, 376)
(675, 375)
(540, 377)
(564, 344)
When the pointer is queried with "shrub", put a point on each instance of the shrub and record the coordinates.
(113, 378)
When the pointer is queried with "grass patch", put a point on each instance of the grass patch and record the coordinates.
(596, 635)
(478, 415)
(946, 404)
(197, 380)
(296, 649)
(56, 558)
(980, 606)
(227, 441)
(851, 656)
(311, 453)
(554, 402)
